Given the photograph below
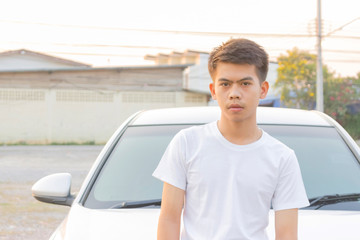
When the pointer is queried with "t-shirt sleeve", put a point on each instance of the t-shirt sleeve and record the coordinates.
(290, 191)
(172, 166)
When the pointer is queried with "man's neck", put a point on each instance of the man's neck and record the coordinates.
(240, 133)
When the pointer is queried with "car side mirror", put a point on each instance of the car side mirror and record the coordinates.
(54, 189)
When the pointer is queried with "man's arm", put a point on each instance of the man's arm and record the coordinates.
(286, 224)
(170, 215)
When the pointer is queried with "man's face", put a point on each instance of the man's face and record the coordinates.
(237, 89)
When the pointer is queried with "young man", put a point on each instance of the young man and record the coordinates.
(227, 174)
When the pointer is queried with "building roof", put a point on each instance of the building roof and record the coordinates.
(118, 68)
(173, 54)
(43, 56)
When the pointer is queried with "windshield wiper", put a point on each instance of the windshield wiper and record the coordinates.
(138, 204)
(331, 199)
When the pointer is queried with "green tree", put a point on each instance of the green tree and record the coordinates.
(296, 83)
(351, 120)
(338, 94)
(296, 79)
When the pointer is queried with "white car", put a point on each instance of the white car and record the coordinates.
(120, 199)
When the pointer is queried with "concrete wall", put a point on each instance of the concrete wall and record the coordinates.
(83, 105)
(44, 116)
(119, 79)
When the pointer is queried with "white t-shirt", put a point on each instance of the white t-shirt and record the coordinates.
(230, 188)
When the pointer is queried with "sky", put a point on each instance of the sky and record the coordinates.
(121, 33)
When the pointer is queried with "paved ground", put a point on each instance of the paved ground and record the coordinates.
(21, 216)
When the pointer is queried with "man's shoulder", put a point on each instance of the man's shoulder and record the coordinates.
(198, 129)
(196, 134)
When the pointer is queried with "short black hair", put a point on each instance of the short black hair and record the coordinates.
(240, 51)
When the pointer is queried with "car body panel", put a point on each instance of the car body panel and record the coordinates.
(140, 224)
(208, 114)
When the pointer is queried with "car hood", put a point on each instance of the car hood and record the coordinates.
(140, 224)
(84, 223)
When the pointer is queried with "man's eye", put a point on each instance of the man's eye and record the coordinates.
(246, 83)
(224, 84)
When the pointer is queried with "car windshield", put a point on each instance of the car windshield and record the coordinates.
(327, 164)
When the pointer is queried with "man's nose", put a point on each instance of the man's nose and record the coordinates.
(235, 93)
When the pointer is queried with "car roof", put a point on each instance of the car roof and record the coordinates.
(201, 115)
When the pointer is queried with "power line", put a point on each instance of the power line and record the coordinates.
(344, 37)
(142, 47)
(87, 45)
(95, 54)
(341, 51)
(228, 34)
(337, 51)
(140, 56)
(341, 27)
(166, 31)
(343, 60)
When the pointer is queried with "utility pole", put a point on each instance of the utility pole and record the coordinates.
(319, 71)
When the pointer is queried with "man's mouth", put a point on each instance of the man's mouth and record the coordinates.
(235, 107)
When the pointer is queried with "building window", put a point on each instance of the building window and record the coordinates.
(145, 97)
(195, 98)
(21, 95)
(83, 96)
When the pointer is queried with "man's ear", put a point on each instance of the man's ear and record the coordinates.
(212, 90)
(264, 89)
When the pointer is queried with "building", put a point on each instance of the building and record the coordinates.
(197, 78)
(45, 99)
